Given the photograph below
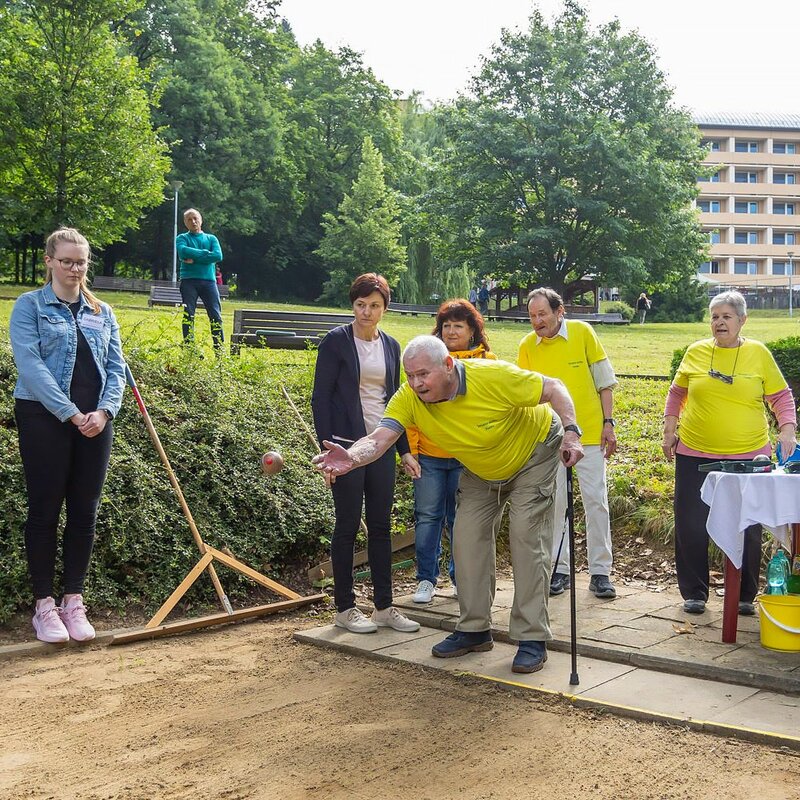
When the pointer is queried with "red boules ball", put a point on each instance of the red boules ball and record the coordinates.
(271, 462)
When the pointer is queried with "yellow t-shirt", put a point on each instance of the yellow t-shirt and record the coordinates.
(421, 444)
(569, 360)
(492, 428)
(727, 418)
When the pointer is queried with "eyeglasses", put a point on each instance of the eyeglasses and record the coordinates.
(69, 264)
(714, 373)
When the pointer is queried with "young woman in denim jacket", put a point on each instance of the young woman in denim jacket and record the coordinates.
(71, 376)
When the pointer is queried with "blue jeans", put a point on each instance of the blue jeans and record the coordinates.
(434, 506)
(191, 289)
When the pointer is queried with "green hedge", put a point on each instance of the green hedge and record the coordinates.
(214, 419)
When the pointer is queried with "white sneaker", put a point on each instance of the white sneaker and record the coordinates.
(73, 615)
(425, 592)
(392, 618)
(355, 621)
(47, 623)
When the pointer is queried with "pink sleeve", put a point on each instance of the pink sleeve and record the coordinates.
(782, 405)
(675, 400)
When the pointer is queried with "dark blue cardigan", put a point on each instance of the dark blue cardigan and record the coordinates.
(335, 399)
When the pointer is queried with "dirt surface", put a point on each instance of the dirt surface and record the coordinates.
(245, 712)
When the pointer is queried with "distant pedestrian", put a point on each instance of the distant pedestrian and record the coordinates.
(199, 253)
(473, 296)
(642, 306)
(483, 298)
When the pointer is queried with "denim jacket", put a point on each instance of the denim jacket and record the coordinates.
(44, 339)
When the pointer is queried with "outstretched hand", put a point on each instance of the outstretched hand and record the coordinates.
(333, 462)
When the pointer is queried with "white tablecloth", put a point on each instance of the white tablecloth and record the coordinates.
(739, 500)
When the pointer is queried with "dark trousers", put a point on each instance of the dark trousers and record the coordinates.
(374, 486)
(191, 289)
(691, 536)
(60, 464)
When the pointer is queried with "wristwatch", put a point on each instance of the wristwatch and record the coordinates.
(610, 421)
(573, 429)
(109, 415)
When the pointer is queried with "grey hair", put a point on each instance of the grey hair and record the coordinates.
(191, 211)
(426, 345)
(734, 299)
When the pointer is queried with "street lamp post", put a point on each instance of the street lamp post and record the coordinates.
(791, 273)
(176, 185)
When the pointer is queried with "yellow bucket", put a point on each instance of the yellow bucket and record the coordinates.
(780, 621)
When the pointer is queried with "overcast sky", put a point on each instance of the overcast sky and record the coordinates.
(718, 55)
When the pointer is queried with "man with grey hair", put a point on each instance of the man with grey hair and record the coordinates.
(495, 419)
(570, 350)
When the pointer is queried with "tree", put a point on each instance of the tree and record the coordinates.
(77, 144)
(364, 235)
(569, 161)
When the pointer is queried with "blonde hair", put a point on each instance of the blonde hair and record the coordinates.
(71, 236)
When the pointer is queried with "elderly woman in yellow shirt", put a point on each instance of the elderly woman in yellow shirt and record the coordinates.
(460, 326)
(718, 395)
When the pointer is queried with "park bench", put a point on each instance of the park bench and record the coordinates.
(282, 330)
(114, 283)
(413, 310)
(165, 293)
(613, 318)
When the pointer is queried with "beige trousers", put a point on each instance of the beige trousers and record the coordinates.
(479, 510)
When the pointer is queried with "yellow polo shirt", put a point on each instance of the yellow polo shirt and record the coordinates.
(491, 427)
(727, 418)
(421, 445)
(569, 360)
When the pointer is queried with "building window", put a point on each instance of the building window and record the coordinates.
(745, 268)
(779, 237)
(745, 237)
(711, 178)
(779, 268)
(746, 147)
(709, 206)
(788, 148)
(748, 207)
(710, 267)
(783, 177)
(713, 237)
(712, 145)
(783, 208)
(746, 177)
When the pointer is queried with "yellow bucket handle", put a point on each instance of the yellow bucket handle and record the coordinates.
(776, 623)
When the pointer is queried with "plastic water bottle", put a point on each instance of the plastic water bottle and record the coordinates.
(776, 575)
(787, 567)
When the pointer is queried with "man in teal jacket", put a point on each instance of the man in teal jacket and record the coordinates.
(199, 253)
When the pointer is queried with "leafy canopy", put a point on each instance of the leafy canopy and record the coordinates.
(569, 160)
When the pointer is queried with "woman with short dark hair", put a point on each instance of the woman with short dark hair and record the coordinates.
(357, 371)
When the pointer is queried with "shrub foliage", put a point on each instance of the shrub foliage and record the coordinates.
(214, 420)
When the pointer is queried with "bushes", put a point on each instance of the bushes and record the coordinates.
(618, 307)
(214, 420)
(686, 301)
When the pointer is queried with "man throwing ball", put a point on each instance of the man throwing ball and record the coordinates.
(494, 418)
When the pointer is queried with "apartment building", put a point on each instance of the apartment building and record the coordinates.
(750, 205)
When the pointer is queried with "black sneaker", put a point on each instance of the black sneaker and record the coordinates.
(694, 606)
(558, 583)
(746, 609)
(601, 586)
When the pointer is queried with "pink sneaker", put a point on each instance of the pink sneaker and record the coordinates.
(73, 615)
(47, 623)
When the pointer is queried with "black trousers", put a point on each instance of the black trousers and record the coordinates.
(60, 465)
(373, 486)
(691, 536)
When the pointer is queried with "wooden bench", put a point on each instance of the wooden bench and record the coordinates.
(167, 294)
(413, 310)
(613, 318)
(114, 283)
(281, 330)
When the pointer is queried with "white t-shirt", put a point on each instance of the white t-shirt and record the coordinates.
(372, 386)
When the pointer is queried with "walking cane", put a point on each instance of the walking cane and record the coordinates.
(573, 678)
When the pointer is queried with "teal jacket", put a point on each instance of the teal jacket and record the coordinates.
(205, 252)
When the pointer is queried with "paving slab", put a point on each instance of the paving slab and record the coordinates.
(644, 627)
